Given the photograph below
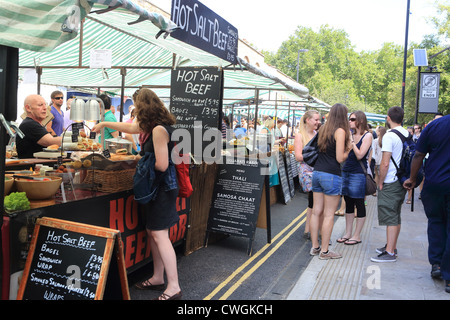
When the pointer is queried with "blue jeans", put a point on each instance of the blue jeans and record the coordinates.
(326, 183)
(437, 210)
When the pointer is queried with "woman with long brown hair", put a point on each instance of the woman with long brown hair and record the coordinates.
(334, 146)
(354, 178)
(153, 123)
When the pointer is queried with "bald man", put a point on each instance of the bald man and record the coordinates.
(36, 135)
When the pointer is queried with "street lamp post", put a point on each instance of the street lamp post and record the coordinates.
(405, 55)
(365, 105)
(298, 58)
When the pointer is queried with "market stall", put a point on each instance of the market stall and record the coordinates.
(93, 192)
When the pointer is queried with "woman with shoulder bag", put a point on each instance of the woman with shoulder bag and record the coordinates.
(153, 123)
(306, 131)
(334, 146)
(354, 178)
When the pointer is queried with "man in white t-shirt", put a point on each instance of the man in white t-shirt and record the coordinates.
(390, 191)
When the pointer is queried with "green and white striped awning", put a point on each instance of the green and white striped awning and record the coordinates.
(48, 38)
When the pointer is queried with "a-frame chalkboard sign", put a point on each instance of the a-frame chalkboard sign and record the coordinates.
(74, 261)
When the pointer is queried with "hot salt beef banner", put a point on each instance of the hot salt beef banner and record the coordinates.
(196, 102)
(204, 29)
(237, 197)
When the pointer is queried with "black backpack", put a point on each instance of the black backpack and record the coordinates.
(409, 149)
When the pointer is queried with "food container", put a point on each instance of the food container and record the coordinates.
(118, 143)
(39, 189)
(8, 185)
(66, 176)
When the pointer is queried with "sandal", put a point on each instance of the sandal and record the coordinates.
(164, 296)
(147, 285)
(339, 213)
(408, 201)
(351, 242)
(342, 240)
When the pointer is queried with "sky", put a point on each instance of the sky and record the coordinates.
(369, 24)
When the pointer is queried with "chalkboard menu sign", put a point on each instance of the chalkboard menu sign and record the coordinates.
(237, 197)
(72, 261)
(290, 174)
(283, 179)
(196, 101)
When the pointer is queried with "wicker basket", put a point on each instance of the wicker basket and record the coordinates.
(111, 181)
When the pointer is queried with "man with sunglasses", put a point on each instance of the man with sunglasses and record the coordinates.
(57, 123)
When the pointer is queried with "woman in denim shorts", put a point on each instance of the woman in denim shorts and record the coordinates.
(334, 146)
(354, 178)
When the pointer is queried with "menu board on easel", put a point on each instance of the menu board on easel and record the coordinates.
(237, 198)
(290, 174)
(283, 179)
(74, 261)
(196, 101)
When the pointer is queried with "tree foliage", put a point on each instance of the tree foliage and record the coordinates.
(369, 80)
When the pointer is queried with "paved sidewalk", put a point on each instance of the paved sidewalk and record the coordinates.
(355, 277)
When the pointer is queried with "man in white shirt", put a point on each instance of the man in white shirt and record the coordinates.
(390, 191)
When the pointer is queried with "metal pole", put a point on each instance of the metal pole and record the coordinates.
(417, 96)
(405, 56)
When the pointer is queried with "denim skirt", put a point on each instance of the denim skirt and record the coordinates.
(326, 183)
(354, 185)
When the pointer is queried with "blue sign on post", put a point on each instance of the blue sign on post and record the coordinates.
(204, 29)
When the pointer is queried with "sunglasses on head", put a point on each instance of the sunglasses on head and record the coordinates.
(58, 98)
(352, 119)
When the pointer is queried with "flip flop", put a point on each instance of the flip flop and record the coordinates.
(143, 286)
(342, 240)
(351, 242)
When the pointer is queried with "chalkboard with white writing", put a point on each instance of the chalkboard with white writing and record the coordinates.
(70, 261)
(196, 102)
(237, 197)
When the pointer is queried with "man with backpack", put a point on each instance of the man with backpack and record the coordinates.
(390, 190)
(434, 141)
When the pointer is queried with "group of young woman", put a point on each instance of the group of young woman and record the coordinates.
(344, 147)
(341, 139)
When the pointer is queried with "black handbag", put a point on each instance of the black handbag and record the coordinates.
(371, 185)
(310, 152)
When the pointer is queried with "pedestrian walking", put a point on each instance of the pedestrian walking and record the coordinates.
(334, 145)
(354, 178)
(390, 191)
(435, 193)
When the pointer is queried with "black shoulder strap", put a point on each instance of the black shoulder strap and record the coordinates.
(403, 139)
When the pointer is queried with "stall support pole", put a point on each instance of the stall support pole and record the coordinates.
(268, 216)
(123, 73)
(256, 118)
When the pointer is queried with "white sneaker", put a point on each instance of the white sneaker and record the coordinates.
(384, 257)
(329, 255)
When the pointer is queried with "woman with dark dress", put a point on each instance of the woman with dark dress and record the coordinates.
(354, 178)
(153, 123)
